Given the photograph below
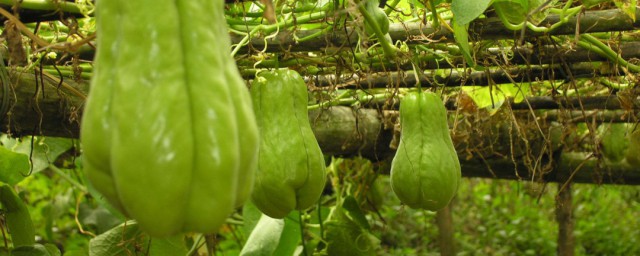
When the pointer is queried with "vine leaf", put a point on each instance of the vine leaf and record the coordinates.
(516, 11)
(493, 98)
(628, 7)
(347, 231)
(13, 166)
(44, 151)
(465, 11)
(264, 238)
(286, 241)
(17, 217)
(462, 38)
(128, 239)
(36, 250)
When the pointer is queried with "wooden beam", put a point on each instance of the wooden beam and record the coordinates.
(488, 145)
(491, 28)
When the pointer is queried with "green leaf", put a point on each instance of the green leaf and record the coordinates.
(250, 216)
(346, 237)
(14, 156)
(290, 237)
(417, 4)
(493, 97)
(354, 212)
(168, 246)
(465, 11)
(45, 149)
(13, 166)
(98, 217)
(127, 239)
(264, 238)
(33, 250)
(53, 249)
(515, 11)
(462, 39)
(17, 217)
(117, 241)
(628, 7)
(485, 97)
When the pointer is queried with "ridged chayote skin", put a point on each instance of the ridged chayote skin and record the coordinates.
(168, 132)
(425, 171)
(291, 169)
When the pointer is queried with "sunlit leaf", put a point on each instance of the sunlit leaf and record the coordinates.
(264, 238)
(628, 7)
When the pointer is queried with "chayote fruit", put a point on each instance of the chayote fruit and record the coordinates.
(168, 132)
(291, 169)
(425, 172)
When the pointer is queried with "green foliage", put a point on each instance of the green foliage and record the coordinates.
(128, 239)
(492, 97)
(607, 220)
(466, 11)
(516, 11)
(21, 157)
(491, 217)
(13, 167)
(346, 233)
(264, 238)
(17, 217)
(497, 217)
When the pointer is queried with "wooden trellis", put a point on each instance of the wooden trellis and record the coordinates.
(515, 140)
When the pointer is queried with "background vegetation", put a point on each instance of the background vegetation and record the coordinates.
(490, 216)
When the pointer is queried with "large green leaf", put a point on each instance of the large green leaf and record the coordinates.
(492, 98)
(45, 149)
(516, 11)
(15, 154)
(290, 237)
(117, 241)
(354, 212)
(465, 11)
(345, 237)
(250, 217)
(127, 239)
(13, 166)
(628, 7)
(36, 250)
(98, 217)
(17, 217)
(264, 238)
